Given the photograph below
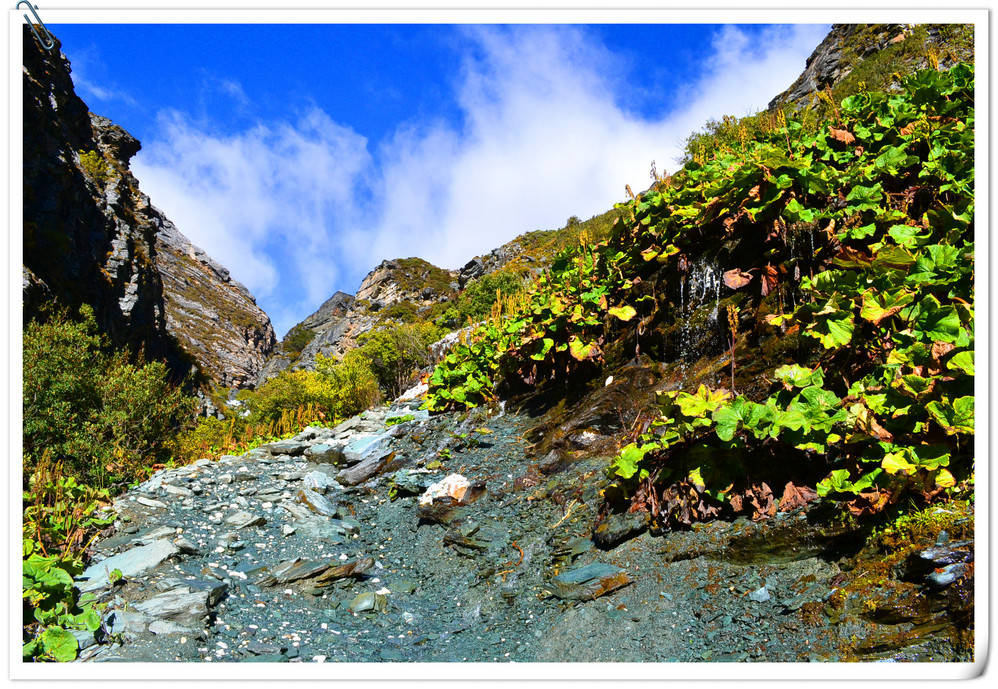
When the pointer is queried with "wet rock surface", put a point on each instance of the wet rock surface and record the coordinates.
(269, 557)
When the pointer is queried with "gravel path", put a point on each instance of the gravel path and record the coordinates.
(274, 556)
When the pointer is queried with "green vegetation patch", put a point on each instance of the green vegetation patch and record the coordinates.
(887, 411)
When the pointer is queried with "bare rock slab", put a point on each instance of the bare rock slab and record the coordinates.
(589, 582)
(366, 469)
(131, 563)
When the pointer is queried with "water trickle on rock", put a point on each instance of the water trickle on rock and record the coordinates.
(699, 329)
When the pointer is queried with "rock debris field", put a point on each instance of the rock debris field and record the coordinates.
(397, 537)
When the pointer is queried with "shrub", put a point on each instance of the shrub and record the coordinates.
(396, 352)
(296, 340)
(479, 296)
(104, 417)
(400, 311)
(94, 165)
(59, 522)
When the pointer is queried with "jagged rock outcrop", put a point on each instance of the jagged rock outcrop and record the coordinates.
(848, 45)
(392, 290)
(92, 237)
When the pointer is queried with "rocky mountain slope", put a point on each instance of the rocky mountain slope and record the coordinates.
(398, 288)
(91, 236)
(901, 47)
(402, 287)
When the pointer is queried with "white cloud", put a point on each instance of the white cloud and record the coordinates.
(265, 203)
(87, 70)
(296, 211)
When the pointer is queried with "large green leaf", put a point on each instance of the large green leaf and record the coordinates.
(704, 400)
(624, 313)
(833, 330)
(59, 644)
(796, 376)
(939, 324)
(628, 461)
(962, 361)
(955, 418)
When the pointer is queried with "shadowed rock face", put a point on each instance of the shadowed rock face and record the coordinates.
(92, 237)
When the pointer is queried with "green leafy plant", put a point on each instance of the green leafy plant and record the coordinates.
(94, 164)
(892, 186)
(106, 418)
(885, 191)
(60, 520)
(397, 351)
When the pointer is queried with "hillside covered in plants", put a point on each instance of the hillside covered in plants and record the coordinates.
(807, 297)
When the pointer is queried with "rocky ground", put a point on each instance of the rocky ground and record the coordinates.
(327, 547)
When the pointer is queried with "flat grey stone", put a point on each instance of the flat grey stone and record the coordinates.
(119, 621)
(178, 490)
(243, 520)
(130, 563)
(363, 448)
(589, 582)
(286, 447)
(366, 469)
(316, 503)
(316, 480)
(181, 605)
(156, 534)
(151, 503)
(167, 627)
(326, 452)
(417, 414)
(306, 569)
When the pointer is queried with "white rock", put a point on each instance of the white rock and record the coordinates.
(452, 485)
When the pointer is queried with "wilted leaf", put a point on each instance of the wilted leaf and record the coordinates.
(736, 278)
(852, 258)
(582, 350)
(944, 479)
(841, 135)
(769, 279)
(896, 463)
(880, 305)
(796, 496)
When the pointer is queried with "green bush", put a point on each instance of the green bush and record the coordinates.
(94, 165)
(400, 311)
(105, 418)
(338, 389)
(297, 339)
(397, 352)
(479, 296)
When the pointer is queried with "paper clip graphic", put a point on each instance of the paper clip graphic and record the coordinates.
(48, 43)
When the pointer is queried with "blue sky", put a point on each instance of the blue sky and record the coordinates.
(300, 156)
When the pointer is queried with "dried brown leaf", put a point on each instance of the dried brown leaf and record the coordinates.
(736, 278)
(796, 496)
(769, 280)
(841, 135)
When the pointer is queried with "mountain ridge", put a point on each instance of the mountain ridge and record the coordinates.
(91, 236)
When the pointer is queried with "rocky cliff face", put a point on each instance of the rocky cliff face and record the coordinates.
(393, 290)
(849, 45)
(92, 237)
